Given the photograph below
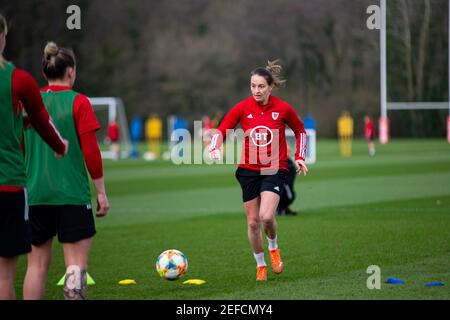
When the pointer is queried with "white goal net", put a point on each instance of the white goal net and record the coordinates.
(108, 109)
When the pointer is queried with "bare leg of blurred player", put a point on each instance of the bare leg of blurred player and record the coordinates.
(8, 271)
(76, 259)
(39, 260)
(115, 149)
(371, 148)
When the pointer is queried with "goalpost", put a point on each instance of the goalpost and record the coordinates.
(385, 105)
(109, 109)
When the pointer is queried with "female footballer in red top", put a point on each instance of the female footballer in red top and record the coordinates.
(60, 198)
(369, 132)
(114, 137)
(17, 89)
(264, 166)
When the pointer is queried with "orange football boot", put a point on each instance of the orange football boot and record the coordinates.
(261, 273)
(275, 259)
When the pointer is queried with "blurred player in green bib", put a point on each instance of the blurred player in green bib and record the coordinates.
(59, 191)
(18, 92)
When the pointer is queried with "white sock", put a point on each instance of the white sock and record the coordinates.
(272, 243)
(259, 257)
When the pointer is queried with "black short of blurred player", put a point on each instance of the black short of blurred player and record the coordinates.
(288, 194)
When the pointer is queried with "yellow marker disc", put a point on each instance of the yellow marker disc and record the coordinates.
(194, 281)
(127, 282)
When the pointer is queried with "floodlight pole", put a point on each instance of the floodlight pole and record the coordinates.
(448, 119)
(383, 123)
(383, 58)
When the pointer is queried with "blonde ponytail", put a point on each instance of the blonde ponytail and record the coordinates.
(56, 60)
(272, 74)
(50, 50)
(275, 70)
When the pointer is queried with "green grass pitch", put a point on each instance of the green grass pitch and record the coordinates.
(392, 211)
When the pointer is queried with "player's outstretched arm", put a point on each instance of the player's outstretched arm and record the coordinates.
(27, 91)
(294, 122)
(214, 146)
(230, 121)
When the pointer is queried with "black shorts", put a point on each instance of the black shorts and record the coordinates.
(253, 182)
(14, 226)
(71, 223)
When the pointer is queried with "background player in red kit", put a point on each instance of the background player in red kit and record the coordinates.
(114, 137)
(369, 132)
(264, 166)
(17, 88)
(59, 193)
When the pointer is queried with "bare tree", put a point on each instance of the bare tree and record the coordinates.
(408, 47)
(423, 42)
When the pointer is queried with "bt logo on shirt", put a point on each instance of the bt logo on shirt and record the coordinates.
(261, 136)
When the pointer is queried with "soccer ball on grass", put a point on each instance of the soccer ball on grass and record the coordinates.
(171, 264)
